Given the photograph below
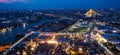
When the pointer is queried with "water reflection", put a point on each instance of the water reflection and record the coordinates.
(7, 35)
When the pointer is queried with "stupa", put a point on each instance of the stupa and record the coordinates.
(91, 13)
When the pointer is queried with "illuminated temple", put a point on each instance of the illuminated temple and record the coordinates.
(91, 13)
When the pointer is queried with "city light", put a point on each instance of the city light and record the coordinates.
(3, 30)
(24, 52)
(42, 42)
(52, 42)
(59, 31)
(2, 48)
(80, 50)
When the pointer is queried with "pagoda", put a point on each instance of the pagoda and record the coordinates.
(91, 13)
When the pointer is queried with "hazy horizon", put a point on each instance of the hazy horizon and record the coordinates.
(53, 4)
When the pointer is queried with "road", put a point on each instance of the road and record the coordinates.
(92, 35)
(77, 42)
(11, 47)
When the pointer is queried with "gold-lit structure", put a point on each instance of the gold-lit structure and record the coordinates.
(32, 44)
(99, 38)
(91, 13)
(3, 30)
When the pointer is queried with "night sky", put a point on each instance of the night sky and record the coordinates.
(52, 4)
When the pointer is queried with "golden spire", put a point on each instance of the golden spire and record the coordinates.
(91, 13)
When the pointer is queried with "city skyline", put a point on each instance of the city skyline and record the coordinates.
(59, 27)
(48, 4)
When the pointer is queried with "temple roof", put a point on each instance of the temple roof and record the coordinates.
(91, 13)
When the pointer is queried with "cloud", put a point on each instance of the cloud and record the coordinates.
(5, 1)
(13, 1)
